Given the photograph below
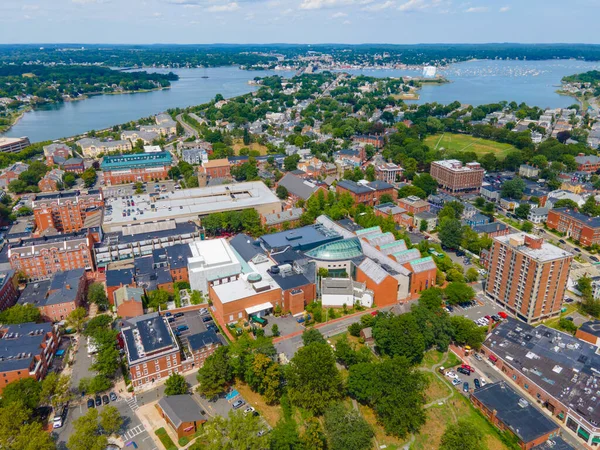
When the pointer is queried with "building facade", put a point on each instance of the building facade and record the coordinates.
(66, 212)
(388, 172)
(367, 193)
(13, 145)
(456, 178)
(528, 276)
(9, 292)
(137, 167)
(576, 225)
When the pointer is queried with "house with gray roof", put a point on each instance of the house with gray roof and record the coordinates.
(297, 187)
(182, 414)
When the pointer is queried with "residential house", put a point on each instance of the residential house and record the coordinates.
(182, 413)
(52, 181)
(129, 301)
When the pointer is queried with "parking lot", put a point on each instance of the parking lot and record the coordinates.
(484, 307)
(459, 376)
(287, 325)
(123, 190)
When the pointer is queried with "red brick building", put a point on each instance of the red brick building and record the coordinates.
(9, 292)
(528, 276)
(399, 215)
(40, 258)
(217, 168)
(367, 193)
(375, 140)
(56, 153)
(414, 205)
(66, 212)
(26, 351)
(573, 224)
(136, 167)
(589, 332)
(587, 163)
(51, 181)
(181, 413)
(12, 173)
(129, 301)
(290, 218)
(456, 178)
(66, 293)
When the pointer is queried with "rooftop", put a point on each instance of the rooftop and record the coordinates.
(297, 186)
(515, 412)
(147, 335)
(180, 409)
(560, 364)
(136, 160)
(20, 344)
(205, 338)
(304, 238)
(591, 327)
(593, 222)
(456, 166)
(337, 251)
(364, 188)
(257, 281)
(545, 252)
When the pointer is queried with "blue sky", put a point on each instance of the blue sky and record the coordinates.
(299, 21)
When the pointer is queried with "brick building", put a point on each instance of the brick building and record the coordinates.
(456, 178)
(51, 181)
(56, 153)
(182, 413)
(151, 348)
(40, 258)
(388, 172)
(216, 168)
(414, 205)
(589, 332)
(372, 139)
(9, 292)
(576, 225)
(508, 411)
(66, 293)
(555, 368)
(587, 163)
(74, 165)
(398, 214)
(26, 351)
(66, 212)
(288, 218)
(367, 193)
(117, 278)
(136, 167)
(12, 173)
(528, 276)
(128, 301)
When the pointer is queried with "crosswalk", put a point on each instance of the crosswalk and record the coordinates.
(135, 431)
(132, 403)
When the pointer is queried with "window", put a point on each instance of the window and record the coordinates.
(526, 386)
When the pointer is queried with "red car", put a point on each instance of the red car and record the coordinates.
(468, 367)
(503, 314)
(374, 313)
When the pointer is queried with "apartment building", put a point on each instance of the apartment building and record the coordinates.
(52, 181)
(12, 173)
(367, 193)
(147, 137)
(414, 204)
(151, 348)
(456, 178)
(40, 258)
(66, 212)
(56, 153)
(9, 292)
(216, 168)
(587, 163)
(528, 276)
(92, 147)
(575, 225)
(26, 351)
(136, 167)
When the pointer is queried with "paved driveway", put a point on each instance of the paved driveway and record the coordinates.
(83, 363)
(485, 307)
(287, 325)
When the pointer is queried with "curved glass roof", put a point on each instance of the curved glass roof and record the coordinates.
(338, 250)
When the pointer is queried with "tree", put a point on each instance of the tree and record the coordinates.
(12, 417)
(567, 325)
(110, 420)
(86, 433)
(31, 436)
(282, 192)
(425, 182)
(450, 232)
(176, 385)
(107, 359)
(26, 391)
(370, 174)
(56, 389)
(565, 203)
(347, 354)
(467, 332)
(399, 336)
(214, 376)
(463, 435)
(313, 437)
(526, 226)
(346, 429)
(523, 210)
(590, 207)
(291, 162)
(590, 305)
(313, 379)
(77, 318)
(386, 198)
(96, 294)
(472, 274)
(513, 188)
(458, 292)
(89, 177)
(236, 432)
(99, 383)
(312, 335)
(284, 436)
(20, 314)
(158, 298)
(275, 330)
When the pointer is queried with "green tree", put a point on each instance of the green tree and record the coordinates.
(526, 226)
(513, 188)
(463, 435)
(458, 292)
(31, 436)
(282, 192)
(89, 177)
(214, 376)
(96, 294)
(291, 162)
(467, 332)
(99, 383)
(386, 198)
(472, 274)
(236, 432)
(176, 385)
(107, 359)
(425, 182)
(565, 203)
(86, 433)
(275, 330)
(76, 319)
(285, 436)
(56, 389)
(313, 379)
(312, 335)
(590, 305)
(110, 420)
(523, 210)
(450, 232)
(26, 391)
(20, 314)
(158, 298)
(314, 436)
(399, 336)
(590, 207)
(347, 429)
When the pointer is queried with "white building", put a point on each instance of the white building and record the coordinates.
(538, 215)
(337, 292)
(213, 261)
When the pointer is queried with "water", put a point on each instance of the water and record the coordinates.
(473, 82)
(482, 82)
(102, 111)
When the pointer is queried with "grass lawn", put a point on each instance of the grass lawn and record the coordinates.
(239, 144)
(553, 323)
(463, 142)
(431, 358)
(165, 439)
(271, 413)
(437, 389)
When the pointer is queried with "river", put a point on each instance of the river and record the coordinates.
(473, 82)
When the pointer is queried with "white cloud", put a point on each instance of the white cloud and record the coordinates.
(337, 15)
(30, 7)
(505, 9)
(420, 5)
(379, 6)
(89, 2)
(347, 22)
(320, 4)
(477, 9)
(228, 7)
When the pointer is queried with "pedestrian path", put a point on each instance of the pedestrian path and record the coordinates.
(135, 431)
(132, 403)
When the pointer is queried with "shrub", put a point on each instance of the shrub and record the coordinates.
(183, 441)
(165, 439)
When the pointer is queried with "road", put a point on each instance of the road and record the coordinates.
(189, 130)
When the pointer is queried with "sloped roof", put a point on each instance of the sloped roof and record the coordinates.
(297, 186)
(373, 270)
(180, 409)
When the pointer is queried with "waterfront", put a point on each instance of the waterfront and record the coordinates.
(474, 82)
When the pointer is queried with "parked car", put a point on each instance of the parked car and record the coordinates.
(594, 258)
(171, 319)
(113, 397)
(575, 249)
(476, 383)
(179, 314)
(478, 357)
(503, 315)
(207, 319)
(98, 400)
(451, 374)
(456, 382)
(90, 403)
(465, 387)
(568, 300)
(463, 371)
(105, 399)
(468, 367)
(483, 382)
(238, 404)
(181, 328)
(203, 311)
(562, 241)
(249, 410)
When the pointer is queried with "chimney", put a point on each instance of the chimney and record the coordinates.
(534, 243)
(68, 286)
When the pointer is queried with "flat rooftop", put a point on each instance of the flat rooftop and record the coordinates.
(304, 238)
(188, 204)
(560, 364)
(259, 280)
(547, 252)
(456, 166)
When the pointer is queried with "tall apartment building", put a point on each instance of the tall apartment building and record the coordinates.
(456, 178)
(137, 167)
(66, 212)
(576, 225)
(40, 258)
(528, 276)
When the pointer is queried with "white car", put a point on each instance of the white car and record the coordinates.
(482, 381)
(249, 410)
(456, 381)
(451, 374)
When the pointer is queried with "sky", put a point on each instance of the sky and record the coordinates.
(298, 21)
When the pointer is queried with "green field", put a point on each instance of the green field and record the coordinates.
(462, 142)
